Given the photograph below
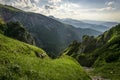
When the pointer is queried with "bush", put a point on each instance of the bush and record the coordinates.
(112, 57)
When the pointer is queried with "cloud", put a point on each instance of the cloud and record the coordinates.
(37, 1)
(26, 5)
(69, 6)
(110, 3)
(108, 8)
(55, 5)
(63, 8)
(54, 1)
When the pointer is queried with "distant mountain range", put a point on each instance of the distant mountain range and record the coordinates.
(105, 23)
(101, 26)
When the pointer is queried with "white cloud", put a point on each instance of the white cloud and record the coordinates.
(56, 6)
(110, 3)
(27, 5)
(109, 8)
(37, 1)
(101, 10)
(69, 7)
(54, 1)
(61, 9)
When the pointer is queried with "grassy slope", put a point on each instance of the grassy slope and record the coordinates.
(108, 63)
(104, 59)
(18, 62)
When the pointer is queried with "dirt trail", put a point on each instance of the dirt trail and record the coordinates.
(87, 69)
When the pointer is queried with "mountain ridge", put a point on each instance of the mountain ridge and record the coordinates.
(101, 26)
(82, 24)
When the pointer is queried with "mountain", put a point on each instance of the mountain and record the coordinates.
(81, 24)
(102, 53)
(110, 24)
(105, 23)
(21, 61)
(49, 34)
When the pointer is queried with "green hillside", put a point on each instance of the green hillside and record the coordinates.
(101, 53)
(108, 61)
(21, 61)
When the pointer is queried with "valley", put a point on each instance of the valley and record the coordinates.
(49, 34)
(36, 47)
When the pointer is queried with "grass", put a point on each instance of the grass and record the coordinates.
(9, 45)
(107, 64)
(104, 58)
(18, 62)
(19, 67)
(109, 71)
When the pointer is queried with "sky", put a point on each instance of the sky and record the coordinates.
(100, 10)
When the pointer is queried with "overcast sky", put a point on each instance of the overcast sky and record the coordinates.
(105, 10)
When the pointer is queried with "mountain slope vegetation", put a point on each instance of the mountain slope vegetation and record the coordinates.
(18, 61)
(49, 34)
(102, 53)
(108, 62)
(17, 31)
(21, 61)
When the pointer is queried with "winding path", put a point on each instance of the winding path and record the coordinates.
(87, 69)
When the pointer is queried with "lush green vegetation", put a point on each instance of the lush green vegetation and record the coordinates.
(108, 62)
(8, 45)
(102, 53)
(2, 26)
(17, 31)
(21, 61)
(21, 67)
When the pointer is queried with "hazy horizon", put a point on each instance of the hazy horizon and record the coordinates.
(102, 10)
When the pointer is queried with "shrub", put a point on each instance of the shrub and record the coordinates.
(112, 57)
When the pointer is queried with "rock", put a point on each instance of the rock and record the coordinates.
(40, 55)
